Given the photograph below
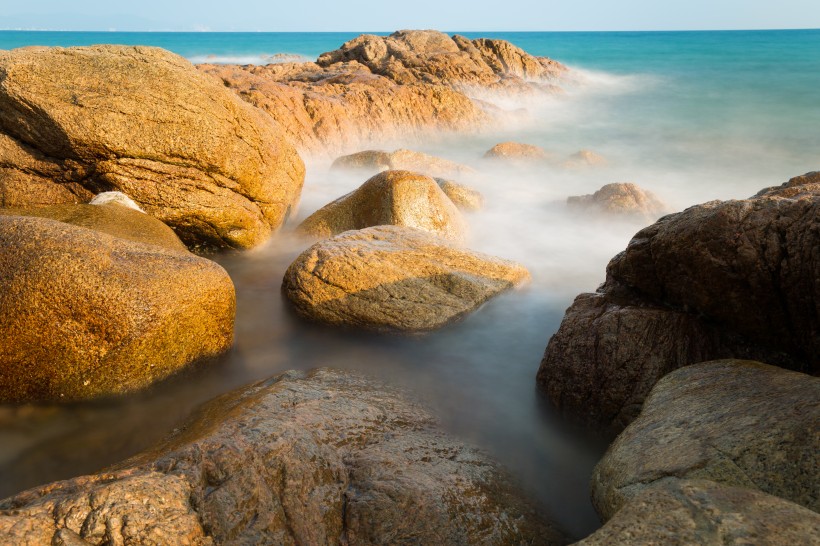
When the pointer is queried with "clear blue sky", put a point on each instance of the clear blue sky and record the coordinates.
(386, 15)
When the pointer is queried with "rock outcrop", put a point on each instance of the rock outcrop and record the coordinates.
(86, 314)
(462, 196)
(733, 279)
(78, 121)
(738, 423)
(623, 198)
(399, 198)
(517, 151)
(113, 219)
(684, 512)
(402, 160)
(391, 278)
(323, 458)
(405, 86)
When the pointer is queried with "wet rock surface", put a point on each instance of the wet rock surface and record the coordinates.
(400, 198)
(391, 278)
(734, 422)
(682, 512)
(77, 121)
(85, 314)
(691, 288)
(323, 458)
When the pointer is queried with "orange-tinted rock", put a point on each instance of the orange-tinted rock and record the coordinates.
(517, 151)
(624, 198)
(402, 160)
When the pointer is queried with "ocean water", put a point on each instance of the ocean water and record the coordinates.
(691, 116)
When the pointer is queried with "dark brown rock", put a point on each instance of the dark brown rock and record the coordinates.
(690, 288)
(734, 422)
(141, 120)
(86, 314)
(323, 458)
(684, 512)
(391, 278)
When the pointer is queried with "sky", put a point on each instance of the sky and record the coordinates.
(386, 15)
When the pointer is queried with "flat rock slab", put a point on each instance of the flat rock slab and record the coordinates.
(391, 278)
(141, 120)
(323, 458)
(685, 512)
(86, 314)
(734, 422)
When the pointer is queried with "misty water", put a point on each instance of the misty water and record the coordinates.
(689, 116)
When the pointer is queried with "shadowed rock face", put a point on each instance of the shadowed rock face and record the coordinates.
(690, 288)
(407, 85)
(684, 512)
(77, 121)
(86, 314)
(623, 198)
(400, 198)
(326, 458)
(739, 423)
(391, 278)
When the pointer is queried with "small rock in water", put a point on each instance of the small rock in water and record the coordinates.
(462, 195)
(400, 198)
(517, 151)
(391, 278)
(403, 160)
(585, 158)
(623, 198)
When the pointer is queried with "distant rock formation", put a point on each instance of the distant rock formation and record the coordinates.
(78, 121)
(406, 85)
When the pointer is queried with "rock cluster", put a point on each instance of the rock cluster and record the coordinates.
(145, 122)
(399, 198)
(391, 278)
(718, 280)
(407, 85)
(326, 458)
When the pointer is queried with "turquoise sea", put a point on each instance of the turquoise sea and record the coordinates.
(691, 116)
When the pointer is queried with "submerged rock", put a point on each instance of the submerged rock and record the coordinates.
(391, 278)
(400, 198)
(684, 512)
(405, 86)
(738, 423)
(323, 458)
(585, 158)
(462, 195)
(402, 160)
(86, 314)
(517, 151)
(691, 288)
(623, 198)
(77, 121)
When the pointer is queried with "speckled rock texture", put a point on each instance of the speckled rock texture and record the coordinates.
(622, 198)
(391, 278)
(691, 288)
(686, 512)
(110, 218)
(400, 198)
(85, 314)
(323, 458)
(734, 422)
(402, 160)
(463, 196)
(78, 121)
(406, 86)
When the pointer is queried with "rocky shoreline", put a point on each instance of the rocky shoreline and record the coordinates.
(122, 168)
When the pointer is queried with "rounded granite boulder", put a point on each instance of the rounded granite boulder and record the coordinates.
(86, 314)
(141, 120)
(391, 278)
(399, 198)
